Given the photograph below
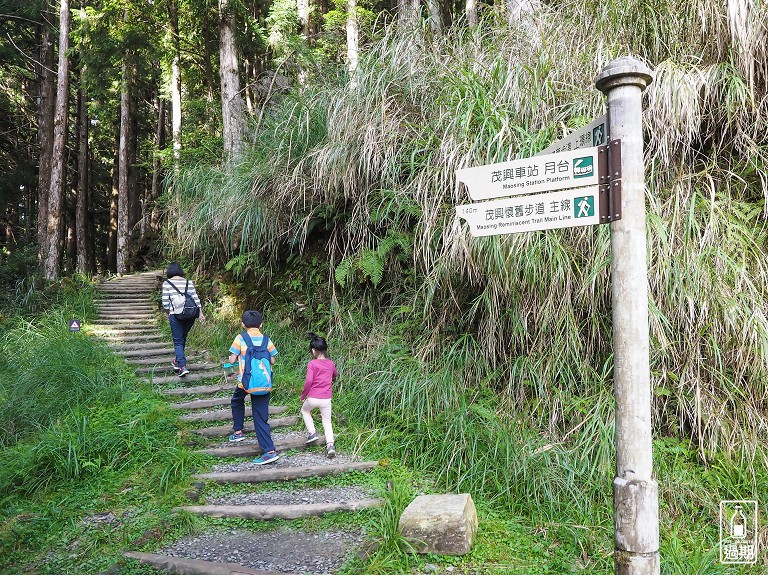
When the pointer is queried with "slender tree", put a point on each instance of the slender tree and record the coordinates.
(81, 219)
(58, 156)
(173, 14)
(353, 39)
(124, 163)
(231, 100)
(47, 87)
(470, 9)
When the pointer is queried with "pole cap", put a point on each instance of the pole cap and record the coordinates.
(624, 71)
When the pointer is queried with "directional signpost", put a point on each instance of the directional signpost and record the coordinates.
(593, 134)
(529, 175)
(582, 188)
(563, 209)
(577, 181)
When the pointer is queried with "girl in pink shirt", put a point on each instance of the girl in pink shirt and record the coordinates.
(316, 394)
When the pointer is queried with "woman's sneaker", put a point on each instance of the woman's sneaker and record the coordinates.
(311, 437)
(184, 371)
(268, 457)
(175, 365)
(331, 451)
(237, 436)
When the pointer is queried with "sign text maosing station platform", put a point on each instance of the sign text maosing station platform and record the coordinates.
(575, 168)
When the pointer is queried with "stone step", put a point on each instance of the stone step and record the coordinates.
(226, 430)
(267, 512)
(167, 351)
(142, 317)
(194, 566)
(265, 473)
(132, 307)
(212, 368)
(120, 324)
(127, 330)
(131, 339)
(205, 403)
(159, 360)
(146, 346)
(246, 449)
(198, 390)
(225, 414)
(191, 376)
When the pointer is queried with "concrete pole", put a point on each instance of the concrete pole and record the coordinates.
(635, 493)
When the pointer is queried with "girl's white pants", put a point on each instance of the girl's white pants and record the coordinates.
(324, 405)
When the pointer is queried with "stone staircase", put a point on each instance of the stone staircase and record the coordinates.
(129, 316)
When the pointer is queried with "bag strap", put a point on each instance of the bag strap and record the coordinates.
(249, 342)
(173, 285)
(186, 287)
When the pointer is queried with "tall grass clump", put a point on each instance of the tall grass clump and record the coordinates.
(68, 407)
(368, 169)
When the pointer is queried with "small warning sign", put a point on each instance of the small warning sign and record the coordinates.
(74, 325)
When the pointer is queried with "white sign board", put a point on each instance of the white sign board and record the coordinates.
(563, 209)
(593, 134)
(530, 175)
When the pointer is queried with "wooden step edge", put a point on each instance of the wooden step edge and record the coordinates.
(206, 367)
(286, 473)
(236, 449)
(225, 430)
(184, 566)
(197, 390)
(220, 414)
(268, 512)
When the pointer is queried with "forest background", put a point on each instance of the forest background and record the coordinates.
(303, 155)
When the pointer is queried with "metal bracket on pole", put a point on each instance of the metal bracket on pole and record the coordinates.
(609, 172)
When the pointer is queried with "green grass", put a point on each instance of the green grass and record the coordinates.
(542, 490)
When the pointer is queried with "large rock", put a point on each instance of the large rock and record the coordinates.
(440, 524)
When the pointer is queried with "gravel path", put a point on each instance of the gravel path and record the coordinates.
(298, 459)
(283, 550)
(335, 494)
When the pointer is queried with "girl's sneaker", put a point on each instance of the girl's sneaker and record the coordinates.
(311, 437)
(331, 451)
(268, 457)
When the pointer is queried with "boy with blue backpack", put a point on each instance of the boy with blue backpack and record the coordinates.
(255, 354)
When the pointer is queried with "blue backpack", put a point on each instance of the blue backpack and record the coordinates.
(257, 376)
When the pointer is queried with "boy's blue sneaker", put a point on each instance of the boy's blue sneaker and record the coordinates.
(268, 457)
(237, 436)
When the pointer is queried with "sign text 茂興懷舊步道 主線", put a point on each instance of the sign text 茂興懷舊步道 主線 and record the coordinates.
(572, 169)
(593, 134)
(561, 209)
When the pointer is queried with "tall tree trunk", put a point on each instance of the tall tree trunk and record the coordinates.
(173, 12)
(207, 58)
(46, 79)
(231, 100)
(81, 219)
(470, 9)
(435, 17)
(124, 161)
(149, 210)
(353, 41)
(58, 157)
(302, 9)
(408, 13)
(113, 214)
